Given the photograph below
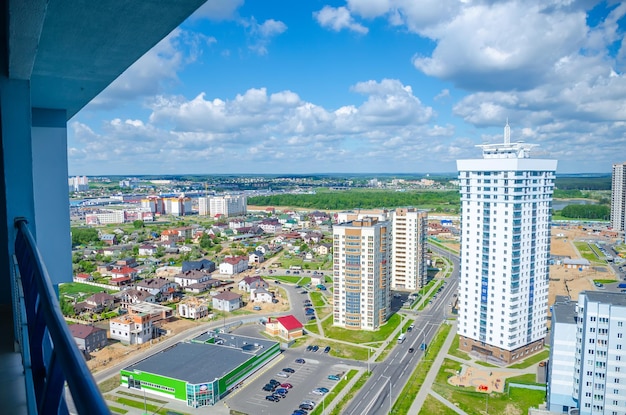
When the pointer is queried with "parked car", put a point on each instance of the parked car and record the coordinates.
(301, 361)
(274, 382)
(317, 392)
(281, 391)
(256, 308)
(306, 406)
(312, 403)
(272, 398)
(289, 370)
(286, 385)
(323, 390)
(309, 348)
(276, 282)
(283, 374)
(299, 412)
(268, 388)
(333, 377)
(326, 349)
(315, 348)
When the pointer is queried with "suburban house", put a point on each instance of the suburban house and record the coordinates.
(88, 338)
(133, 296)
(260, 295)
(131, 328)
(287, 327)
(234, 265)
(192, 309)
(226, 301)
(201, 265)
(120, 281)
(124, 272)
(248, 283)
(109, 239)
(256, 257)
(98, 302)
(147, 250)
(264, 249)
(159, 286)
(82, 277)
(271, 226)
(170, 235)
(191, 277)
(323, 249)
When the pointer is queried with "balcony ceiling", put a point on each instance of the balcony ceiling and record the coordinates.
(72, 49)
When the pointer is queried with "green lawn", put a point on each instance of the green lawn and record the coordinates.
(543, 355)
(527, 379)
(79, 289)
(117, 410)
(284, 278)
(413, 385)
(588, 253)
(348, 397)
(485, 364)
(432, 406)
(604, 281)
(361, 336)
(454, 350)
(317, 298)
(517, 401)
(312, 327)
(109, 384)
(342, 350)
(339, 386)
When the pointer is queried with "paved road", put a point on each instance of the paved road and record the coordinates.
(377, 395)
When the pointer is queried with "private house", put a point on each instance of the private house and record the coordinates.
(97, 302)
(191, 277)
(201, 265)
(264, 249)
(131, 328)
(109, 239)
(124, 271)
(170, 236)
(248, 283)
(120, 281)
(160, 287)
(192, 309)
(133, 296)
(260, 295)
(256, 257)
(234, 265)
(271, 226)
(323, 249)
(147, 250)
(226, 301)
(156, 312)
(88, 338)
(125, 262)
(82, 277)
(287, 327)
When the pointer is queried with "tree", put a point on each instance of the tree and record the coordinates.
(84, 236)
(138, 224)
(205, 241)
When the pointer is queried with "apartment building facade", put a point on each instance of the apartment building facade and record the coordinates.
(618, 197)
(361, 273)
(596, 379)
(506, 206)
(227, 205)
(408, 247)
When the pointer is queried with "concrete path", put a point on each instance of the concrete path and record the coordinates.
(432, 373)
(447, 403)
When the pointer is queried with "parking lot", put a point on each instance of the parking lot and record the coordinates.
(306, 377)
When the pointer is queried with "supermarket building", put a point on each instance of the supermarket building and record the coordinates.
(201, 371)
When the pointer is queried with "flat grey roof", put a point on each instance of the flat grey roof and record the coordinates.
(564, 312)
(618, 299)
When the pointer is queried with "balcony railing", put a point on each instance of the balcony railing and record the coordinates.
(49, 354)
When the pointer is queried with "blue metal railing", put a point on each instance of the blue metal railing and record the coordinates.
(49, 353)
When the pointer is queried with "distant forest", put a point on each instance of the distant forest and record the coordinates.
(442, 201)
(583, 183)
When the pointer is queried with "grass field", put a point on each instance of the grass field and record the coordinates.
(361, 336)
(317, 298)
(454, 350)
(432, 406)
(77, 289)
(588, 253)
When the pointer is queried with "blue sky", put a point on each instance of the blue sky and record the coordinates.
(363, 86)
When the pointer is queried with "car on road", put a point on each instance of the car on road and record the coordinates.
(303, 292)
(326, 349)
(289, 370)
(286, 385)
(315, 348)
(298, 286)
(272, 398)
(333, 377)
(283, 374)
(276, 282)
(301, 361)
(411, 350)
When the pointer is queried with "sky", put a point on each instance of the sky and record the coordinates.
(363, 86)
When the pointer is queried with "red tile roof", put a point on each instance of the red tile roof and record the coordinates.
(124, 271)
(290, 322)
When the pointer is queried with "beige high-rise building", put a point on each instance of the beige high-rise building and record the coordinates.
(361, 274)
(618, 197)
(408, 247)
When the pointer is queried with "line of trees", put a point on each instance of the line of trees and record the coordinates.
(602, 212)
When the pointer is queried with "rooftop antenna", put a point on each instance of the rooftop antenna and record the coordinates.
(507, 132)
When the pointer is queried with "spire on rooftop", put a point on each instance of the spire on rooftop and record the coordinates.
(507, 132)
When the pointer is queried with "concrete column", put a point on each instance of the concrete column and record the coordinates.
(51, 194)
(16, 187)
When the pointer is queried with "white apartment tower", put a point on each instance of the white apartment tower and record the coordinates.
(408, 247)
(506, 206)
(618, 197)
(361, 274)
(587, 362)
(227, 205)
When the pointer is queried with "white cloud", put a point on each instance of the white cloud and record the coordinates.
(260, 35)
(337, 19)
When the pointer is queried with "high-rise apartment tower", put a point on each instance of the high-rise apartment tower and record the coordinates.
(506, 206)
(361, 274)
(408, 249)
(618, 197)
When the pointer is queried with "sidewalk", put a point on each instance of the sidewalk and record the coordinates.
(432, 374)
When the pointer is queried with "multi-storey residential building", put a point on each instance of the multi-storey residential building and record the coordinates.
(131, 328)
(78, 184)
(593, 372)
(408, 247)
(506, 204)
(177, 206)
(227, 205)
(618, 197)
(361, 253)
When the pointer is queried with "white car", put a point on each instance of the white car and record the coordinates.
(283, 374)
(317, 392)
